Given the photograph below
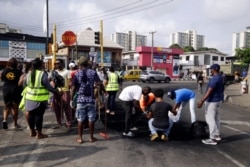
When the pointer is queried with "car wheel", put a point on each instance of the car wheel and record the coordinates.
(151, 80)
(167, 80)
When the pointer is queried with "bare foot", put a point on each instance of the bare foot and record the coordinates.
(92, 140)
(41, 136)
(80, 141)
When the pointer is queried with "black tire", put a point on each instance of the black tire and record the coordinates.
(167, 80)
(151, 80)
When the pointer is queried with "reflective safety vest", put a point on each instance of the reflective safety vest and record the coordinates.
(112, 82)
(36, 92)
(143, 103)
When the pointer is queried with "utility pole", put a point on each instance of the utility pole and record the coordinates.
(101, 41)
(152, 47)
(47, 26)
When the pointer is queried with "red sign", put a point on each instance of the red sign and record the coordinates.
(69, 38)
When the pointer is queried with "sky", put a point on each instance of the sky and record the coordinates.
(216, 20)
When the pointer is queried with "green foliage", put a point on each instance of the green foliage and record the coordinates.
(175, 45)
(206, 49)
(188, 49)
(243, 55)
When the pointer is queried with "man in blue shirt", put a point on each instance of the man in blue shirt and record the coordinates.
(182, 97)
(213, 99)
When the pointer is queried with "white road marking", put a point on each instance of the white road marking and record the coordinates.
(231, 159)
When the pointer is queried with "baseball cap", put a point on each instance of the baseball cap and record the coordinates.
(171, 94)
(215, 67)
(72, 64)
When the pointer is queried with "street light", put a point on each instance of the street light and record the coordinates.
(152, 47)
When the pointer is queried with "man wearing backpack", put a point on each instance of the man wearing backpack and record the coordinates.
(61, 103)
(85, 102)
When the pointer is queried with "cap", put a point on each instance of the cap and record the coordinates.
(72, 65)
(215, 67)
(83, 60)
(171, 94)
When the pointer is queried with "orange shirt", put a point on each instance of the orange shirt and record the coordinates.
(143, 103)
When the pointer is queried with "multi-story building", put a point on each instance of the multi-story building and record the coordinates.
(241, 40)
(129, 40)
(187, 38)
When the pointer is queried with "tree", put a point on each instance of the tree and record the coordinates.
(175, 45)
(243, 55)
(188, 49)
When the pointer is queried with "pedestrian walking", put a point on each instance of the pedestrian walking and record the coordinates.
(182, 97)
(83, 85)
(200, 82)
(213, 99)
(11, 92)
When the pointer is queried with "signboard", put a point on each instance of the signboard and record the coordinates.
(69, 38)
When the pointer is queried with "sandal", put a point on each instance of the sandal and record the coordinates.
(32, 134)
(41, 136)
(112, 113)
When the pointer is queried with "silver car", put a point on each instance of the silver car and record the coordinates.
(154, 75)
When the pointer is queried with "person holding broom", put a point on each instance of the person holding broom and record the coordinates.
(83, 85)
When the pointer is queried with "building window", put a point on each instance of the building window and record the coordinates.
(221, 58)
(187, 58)
(215, 58)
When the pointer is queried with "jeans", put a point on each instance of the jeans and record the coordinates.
(154, 130)
(85, 110)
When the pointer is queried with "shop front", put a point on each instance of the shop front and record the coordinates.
(165, 60)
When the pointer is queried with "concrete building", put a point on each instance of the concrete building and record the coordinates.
(187, 38)
(241, 40)
(4, 28)
(201, 60)
(129, 40)
(85, 46)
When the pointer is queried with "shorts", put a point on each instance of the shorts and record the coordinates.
(84, 110)
(12, 94)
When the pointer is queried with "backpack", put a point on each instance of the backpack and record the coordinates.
(199, 129)
(58, 79)
(88, 90)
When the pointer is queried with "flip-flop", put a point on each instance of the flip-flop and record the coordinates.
(112, 113)
(80, 141)
(33, 134)
(42, 136)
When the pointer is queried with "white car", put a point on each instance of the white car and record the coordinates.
(154, 75)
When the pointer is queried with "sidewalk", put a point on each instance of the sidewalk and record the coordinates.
(233, 95)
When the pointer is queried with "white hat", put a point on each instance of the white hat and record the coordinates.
(72, 65)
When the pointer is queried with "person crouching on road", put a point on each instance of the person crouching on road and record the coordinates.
(130, 97)
(158, 117)
(182, 97)
(37, 95)
(213, 100)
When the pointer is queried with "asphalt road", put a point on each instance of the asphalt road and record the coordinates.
(60, 149)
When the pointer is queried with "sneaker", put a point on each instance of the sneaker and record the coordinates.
(134, 128)
(164, 137)
(209, 141)
(129, 134)
(217, 138)
(5, 125)
(154, 137)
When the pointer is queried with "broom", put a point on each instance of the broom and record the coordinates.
(103, 134)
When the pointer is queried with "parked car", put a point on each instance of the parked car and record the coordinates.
(154, 75)
(132, 75)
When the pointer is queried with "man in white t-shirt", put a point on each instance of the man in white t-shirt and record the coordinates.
(130, 97)
(62, 102)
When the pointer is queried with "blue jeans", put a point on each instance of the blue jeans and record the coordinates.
(154, 130)
(84, 110)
